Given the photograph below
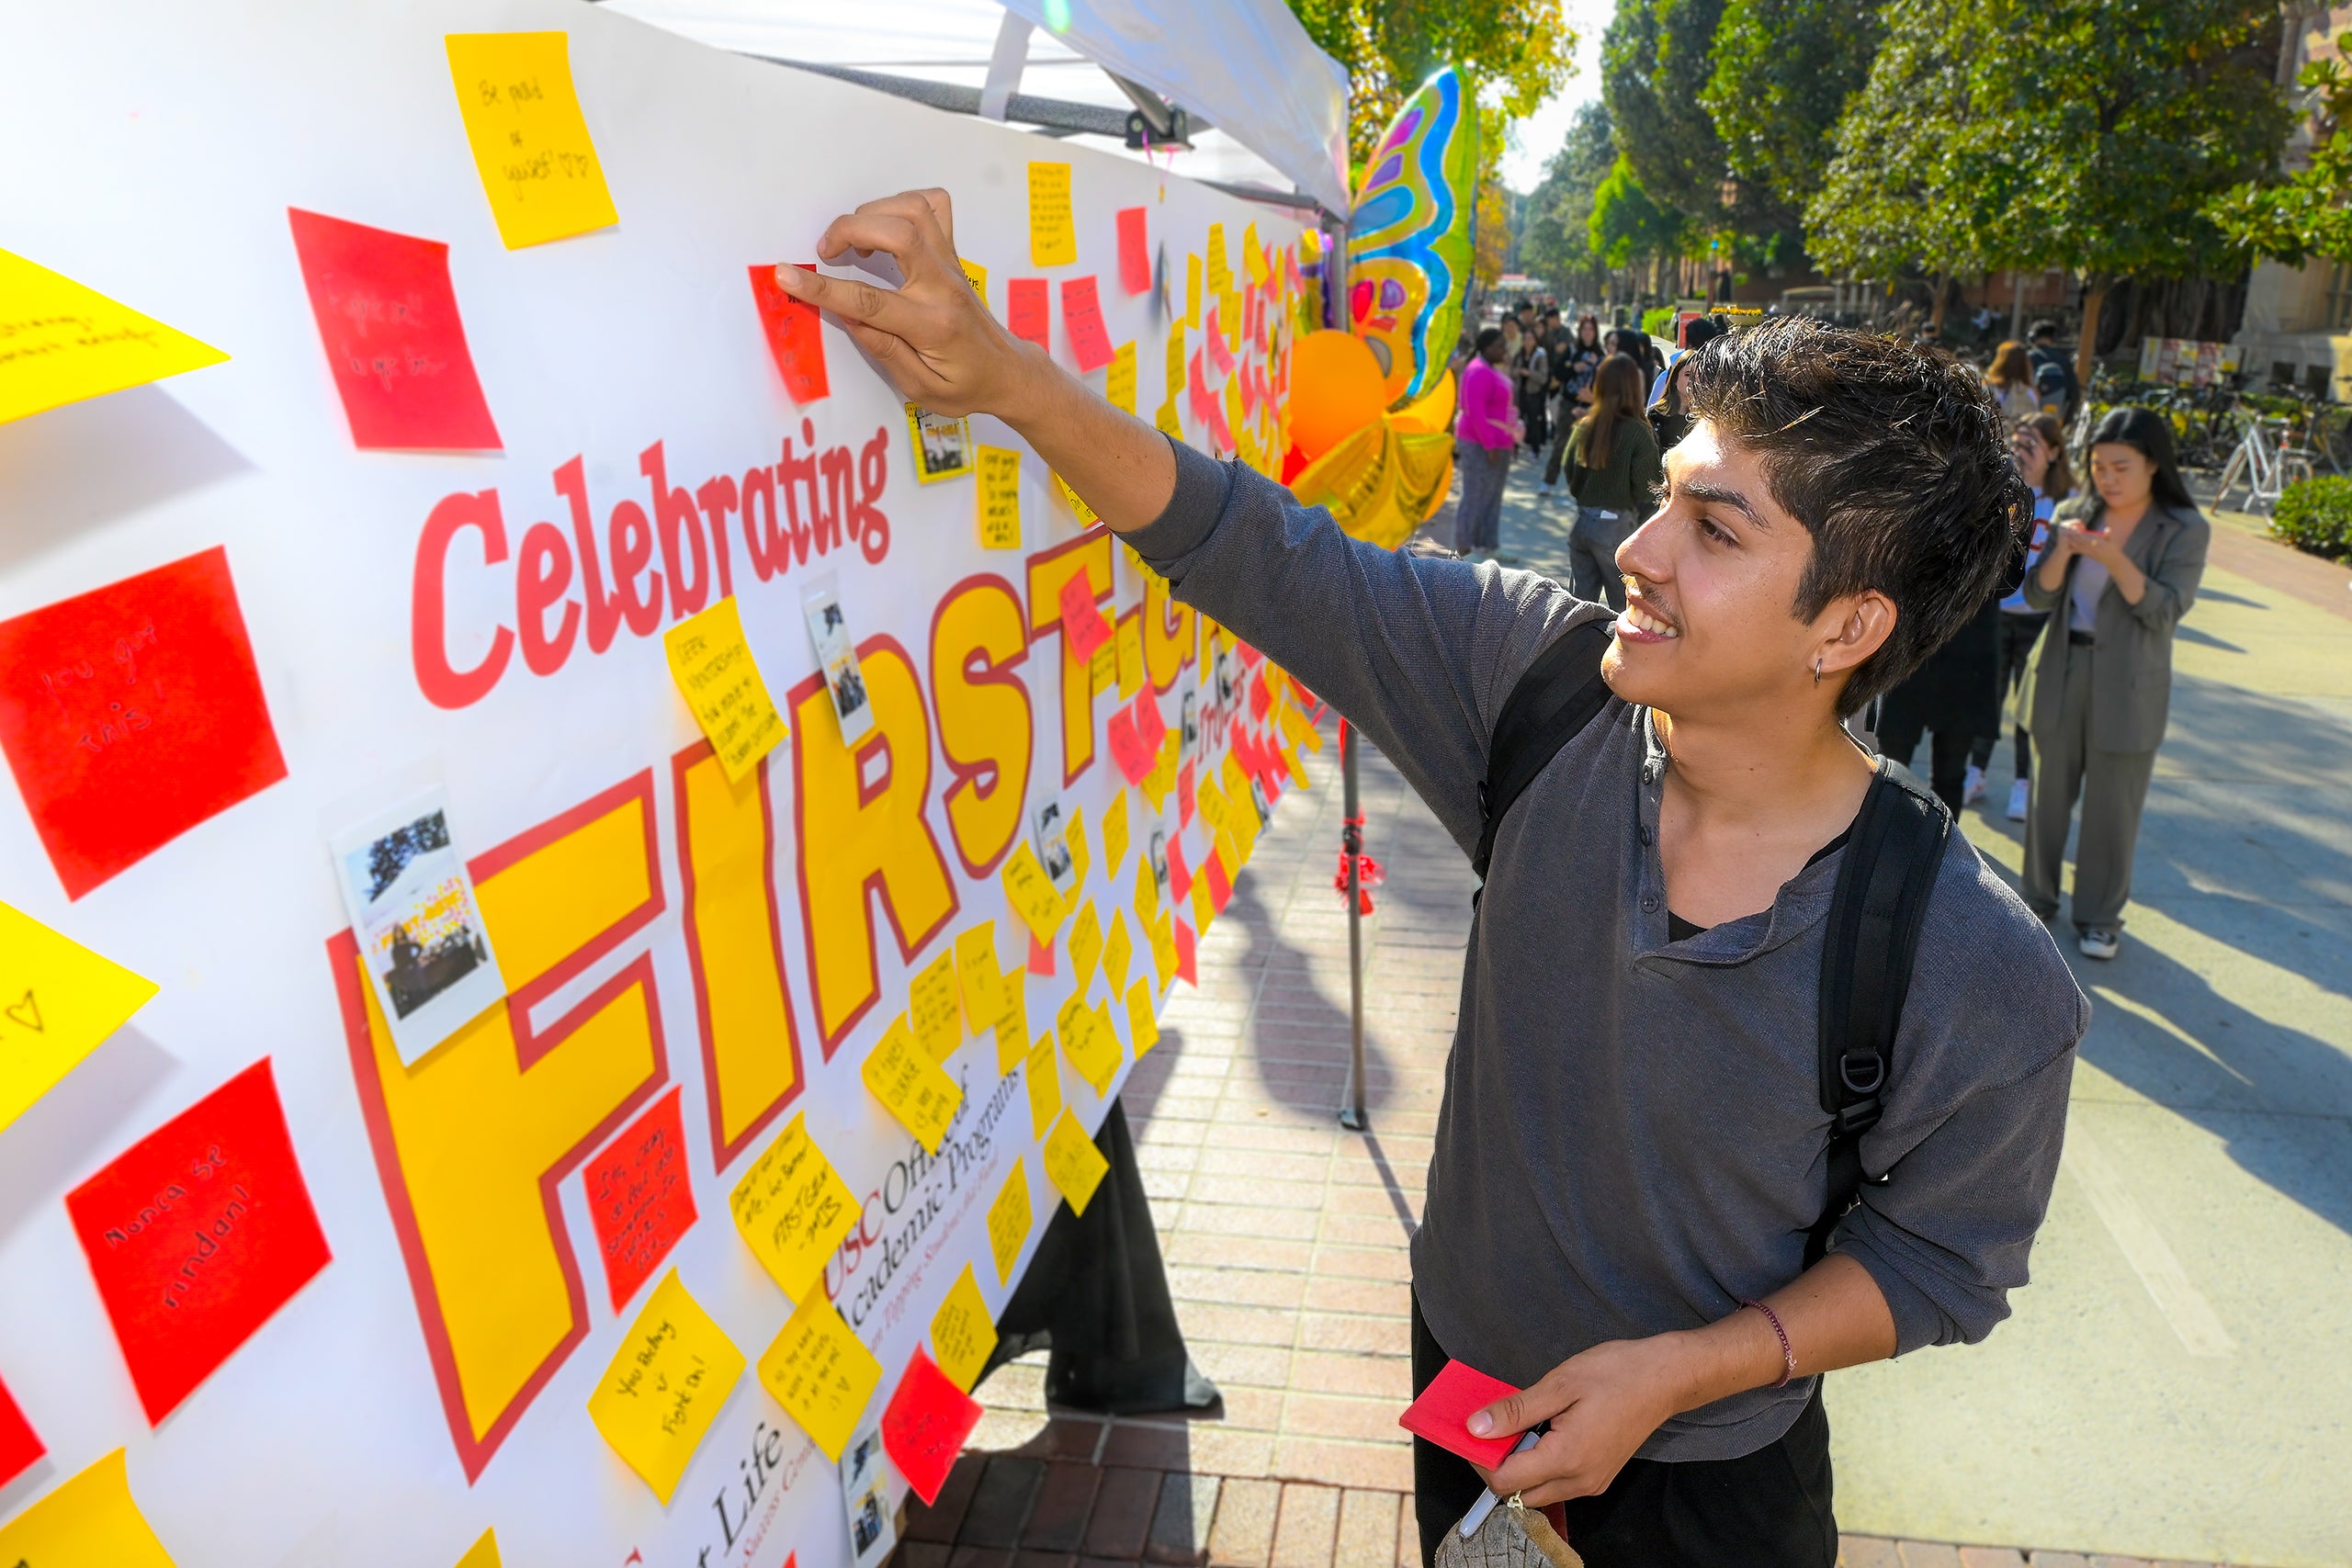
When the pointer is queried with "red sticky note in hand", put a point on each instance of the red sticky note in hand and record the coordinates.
(1151, 728)
(1135, 254)
(640, 1197)
(1082, 320)
(795, 335)
(132, 713)
(1083, 626)
(1443, 1413)
(197, 1235)
(1127, 750)
(925, 1425)
(388, 320)
(19, 1447)
(1026, 311)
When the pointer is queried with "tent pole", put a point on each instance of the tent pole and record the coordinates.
(1351, 1114)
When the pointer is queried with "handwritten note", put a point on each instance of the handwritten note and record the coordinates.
(933, 1009)
(1102, 667)
(712, 663)
(1134, 251)
(1180, 875)
(59, 1001)
(793, 1208)
(1253, 258)
(1220, 356)
(925, 1425)
(820, 1374)
(530, 140)
(665, 1385)
(1143, 1029)
(1119, 380)
(1073, 1163)
(641, 1197)
(1220, 274)
(197, 1235)
(963, 1335)
(1118, 951)
(1031, 894)
(388, 320)
(60, 343)
(1130, 656)
(1085, 946)
(1093, 1050)
(1012, 1029)
(1010, 1218)
(997, 498)
(980, 983)
(92, 1521)
(1082, 320)
(1027, 310)
(1083, 624)
(1053, 233)
(1147, 901)
(1114, 835)
(20, 1446)
(1086, 516)
(795, 334)
(911, 1087)
(1074, 834)
(1165, 960)
(1133, 758)
(1175, 378)
(1045, 1080)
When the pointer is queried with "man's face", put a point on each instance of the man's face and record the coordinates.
(1708, 628)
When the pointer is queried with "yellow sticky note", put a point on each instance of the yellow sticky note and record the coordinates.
(1012, 1028)
(1203, 906)
(1033, 895)
(1114, 836)
(1076, 834)
(1299, 731)
(1044, 1076)
(1070, 498)
(1229, 318)
(911, 1087)
(59, 1001)
(665, 1385)
(1010, 1218)
(1164, 958)
(1053, 234)
(997, 498)
(934, 1010)
(963, 1335)
(1103, 668)
(1176, 376)
(1119, 379)
(1220, 274)
(1210, 806)
(91, 1521)
(1143, 1029)
(1147, 893)
(1091, 1049)
(1192, 292)
(1253, 256)
(793, 1208)
(977, 276)
(60, 343)
(1118, 949)
(1072, 1162)
(1166, 421)
(712, 664)
(820, 1374)
(530, 140)
(977, 979)
(1130, 646)
(483, 1553)
(1085, 946)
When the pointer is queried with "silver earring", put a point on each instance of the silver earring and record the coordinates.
(1816, 670)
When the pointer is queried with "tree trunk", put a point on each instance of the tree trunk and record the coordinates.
(2094, 296)
(1936, 313)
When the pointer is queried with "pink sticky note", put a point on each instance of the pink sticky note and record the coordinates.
(794, 336)
(1443, 1413)
(1220, 428)
(1083, 626)
(1082, 320)
(1262, 697)
(1220, 356)
(1041, 956)
(1151, 728)
(925, 1424)
(1220, 889)
(1025, 309)
(1135, 254)
(388, 320)
(1187, 968)
(1197, 389)
(1184, 795)
(1180, 875)
(1127, 750)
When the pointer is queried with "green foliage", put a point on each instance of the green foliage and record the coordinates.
(1627, 225)
(1658, 322)
(2316, 515)
(1782, 71)
(1514, 54)
(1556, 242)
(1655, 62)
(2308, 214)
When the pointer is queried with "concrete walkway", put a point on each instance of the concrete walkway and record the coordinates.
(2174, 1385)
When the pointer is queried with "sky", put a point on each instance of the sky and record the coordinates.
(1536, 138)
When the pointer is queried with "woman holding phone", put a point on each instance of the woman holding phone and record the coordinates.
(2121, 569)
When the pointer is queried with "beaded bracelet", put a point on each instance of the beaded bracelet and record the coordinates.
(1788, 1352)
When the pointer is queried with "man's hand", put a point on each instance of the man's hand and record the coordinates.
(1602, 1404)
(934, 339)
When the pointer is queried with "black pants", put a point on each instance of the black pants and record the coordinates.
(1767, 1509)
(1947, 772)
(2019, 631)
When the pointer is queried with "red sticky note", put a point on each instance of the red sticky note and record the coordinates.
(1220, 356)
(1084, 627)
(1197, 388)
(18, 1445)
(1443, 1413)
(1262, 697)
(1184, 795)
(1082, 320)
(1220, 429)
(1220, 889)
(132, 713)
(1180, 875)
(642, 1198)
(1025, 309)
(796, 336)
(1135, 759)
(1250, 656)
(1041, 956)
(197, 1235)
(924, 1427)
(1135, 252)
(1248, 392)
(1187, 970)
(1151, 728)
(387, 319)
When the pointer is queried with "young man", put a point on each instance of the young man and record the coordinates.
(2053, 371)
(1632, 1148)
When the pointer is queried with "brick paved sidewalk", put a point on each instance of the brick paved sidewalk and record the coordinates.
(1285, 1239)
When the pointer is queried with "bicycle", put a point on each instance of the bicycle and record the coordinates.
(2266, 468)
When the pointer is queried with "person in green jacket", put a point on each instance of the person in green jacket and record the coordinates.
(1613, 473)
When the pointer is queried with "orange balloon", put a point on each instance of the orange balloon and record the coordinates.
(1336, 389)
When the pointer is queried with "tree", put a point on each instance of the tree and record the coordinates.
(1653, 65)
(1629, 226)
(1513, 54)
(1782, 71)
(2310, 213)
(1556, 242)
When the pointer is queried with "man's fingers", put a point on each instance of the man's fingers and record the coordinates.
(1518, 1412)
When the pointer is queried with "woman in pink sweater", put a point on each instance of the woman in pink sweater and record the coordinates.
(1485, 436)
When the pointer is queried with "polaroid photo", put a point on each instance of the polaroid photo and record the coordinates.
(1045, 831)
(1159, 861)
(865, 1498)
(837, 656)
(420, 931)
(1258, 799)
(943, 446)
(1191, 744)
(1224, 663)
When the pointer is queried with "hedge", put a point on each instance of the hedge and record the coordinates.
(2316, 515)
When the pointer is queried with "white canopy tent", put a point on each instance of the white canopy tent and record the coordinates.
(1147, 77)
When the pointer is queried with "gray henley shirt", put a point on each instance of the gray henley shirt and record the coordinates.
(1631, 1138)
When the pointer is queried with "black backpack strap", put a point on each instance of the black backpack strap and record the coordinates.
(1557, 697)
(1884, 881)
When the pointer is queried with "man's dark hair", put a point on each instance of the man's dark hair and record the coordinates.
(1896, 461)
(1487, 338)
(1699, 331)
(2041, 330)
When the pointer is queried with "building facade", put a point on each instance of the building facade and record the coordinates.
(2298, 325)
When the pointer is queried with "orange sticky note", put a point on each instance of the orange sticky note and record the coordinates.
(64, 341)
(529, 139)
(665, 1386)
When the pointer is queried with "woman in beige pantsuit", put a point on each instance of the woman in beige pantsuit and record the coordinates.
(2122, 567)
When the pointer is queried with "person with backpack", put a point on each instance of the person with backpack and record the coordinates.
(1760, 1071)
(1574, 369)
(1613, 464)
(2123, 566)
(2054, 372)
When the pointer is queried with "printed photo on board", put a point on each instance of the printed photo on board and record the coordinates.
(1053, 847)
(1258, 799)
(943, 446)
(421, 934)
(837, 656)
(1190, 745)
(1159, 861)
(866, 1497)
